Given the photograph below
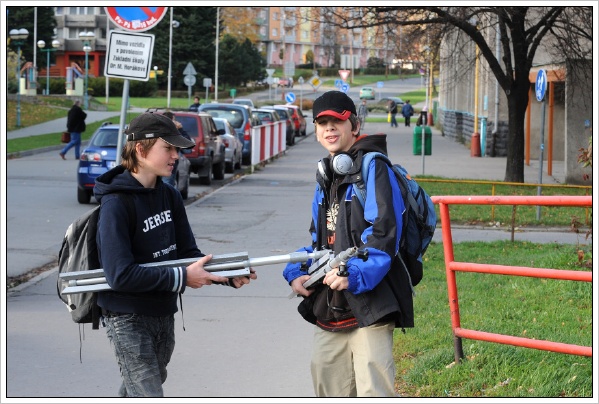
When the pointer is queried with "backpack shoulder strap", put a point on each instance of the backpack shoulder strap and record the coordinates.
(361, 185)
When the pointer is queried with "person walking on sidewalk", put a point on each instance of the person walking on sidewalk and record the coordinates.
(354, 312)
(407, 111)
(393, 110)
(75, 126)
(362, 114)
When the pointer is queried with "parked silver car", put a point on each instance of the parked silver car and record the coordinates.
(233, 144)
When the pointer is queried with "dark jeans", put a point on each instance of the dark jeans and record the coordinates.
(393, 120)
(75, 141)
(143, 346)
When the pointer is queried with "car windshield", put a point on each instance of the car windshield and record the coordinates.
(106, 138)
(234, 116)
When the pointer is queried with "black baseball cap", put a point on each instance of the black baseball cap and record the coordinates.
(333, 103)
(149, 125)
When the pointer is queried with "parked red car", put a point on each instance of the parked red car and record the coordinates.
(297, 117)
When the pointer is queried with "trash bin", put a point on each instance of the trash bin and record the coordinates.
(475, 145)
(417, 141)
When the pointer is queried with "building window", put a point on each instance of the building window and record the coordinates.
(59, 10)
(275, 33)
(81, 10)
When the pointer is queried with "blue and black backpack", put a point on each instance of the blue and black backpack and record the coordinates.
(419, 219)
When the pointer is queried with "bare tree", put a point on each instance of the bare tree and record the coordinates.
(522, 31)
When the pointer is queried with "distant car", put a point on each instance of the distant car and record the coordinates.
(99, 156)
(367, 93)
(233, 144)
(285, 115)
(383, 103)
(266, 115)
(240, 117)
(298, 118)
(244, 101)
(286, 82)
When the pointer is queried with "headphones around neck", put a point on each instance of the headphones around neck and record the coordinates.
(342, 164)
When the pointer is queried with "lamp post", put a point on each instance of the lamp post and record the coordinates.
(18, 36)
(86, 37)
(156, 73)
(42, 45)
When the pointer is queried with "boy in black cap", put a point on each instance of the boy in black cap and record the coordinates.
(355, 312)
(143, 221)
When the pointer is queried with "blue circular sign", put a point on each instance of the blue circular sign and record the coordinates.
(345, 88)
(290, 97)
(541, 85)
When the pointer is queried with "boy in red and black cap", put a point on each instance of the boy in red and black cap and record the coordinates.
(355, 312)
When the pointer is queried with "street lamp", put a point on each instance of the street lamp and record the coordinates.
(86, 37)
(18, 36)
(156, 73)
(42, 45)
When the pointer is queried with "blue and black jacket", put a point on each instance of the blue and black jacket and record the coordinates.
(379, 290)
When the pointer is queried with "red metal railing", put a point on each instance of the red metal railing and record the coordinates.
(452, 266)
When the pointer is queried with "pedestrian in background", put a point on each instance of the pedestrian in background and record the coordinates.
(138, 311)
(362, 114)
(392, 107)
(75, 126)
(407, 111)
(354, 312)
(196, 104)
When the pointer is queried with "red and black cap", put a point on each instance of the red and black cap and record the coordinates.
(334, 103)
(149, 125)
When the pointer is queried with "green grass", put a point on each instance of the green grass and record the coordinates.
(553, 310)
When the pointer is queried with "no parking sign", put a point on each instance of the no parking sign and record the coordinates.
(136, 19)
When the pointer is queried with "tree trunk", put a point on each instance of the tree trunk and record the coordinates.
(517, 101)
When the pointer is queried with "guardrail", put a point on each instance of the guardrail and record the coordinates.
(452, 266)
(268, 141)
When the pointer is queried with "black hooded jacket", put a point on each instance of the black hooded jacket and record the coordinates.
(158, 231)
(379, 290)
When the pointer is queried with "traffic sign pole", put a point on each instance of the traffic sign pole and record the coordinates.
(540, 89)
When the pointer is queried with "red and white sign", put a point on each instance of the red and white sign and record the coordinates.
(344, 74)
(136, 19)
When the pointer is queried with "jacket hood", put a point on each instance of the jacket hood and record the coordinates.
(119, 179)
(370, 143)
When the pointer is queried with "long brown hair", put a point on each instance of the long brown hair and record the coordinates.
(129, 154)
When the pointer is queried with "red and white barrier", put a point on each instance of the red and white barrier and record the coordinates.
(268, 141)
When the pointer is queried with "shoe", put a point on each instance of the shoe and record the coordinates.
(62, 155)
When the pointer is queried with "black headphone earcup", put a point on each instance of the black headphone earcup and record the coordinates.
(324, 169)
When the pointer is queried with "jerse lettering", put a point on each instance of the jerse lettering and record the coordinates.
(156, 220)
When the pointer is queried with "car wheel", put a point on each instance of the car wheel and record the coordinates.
(207, 180)
(246, 160)
(83, 196)
(230, 167)
(237, 165)
(219, 171)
